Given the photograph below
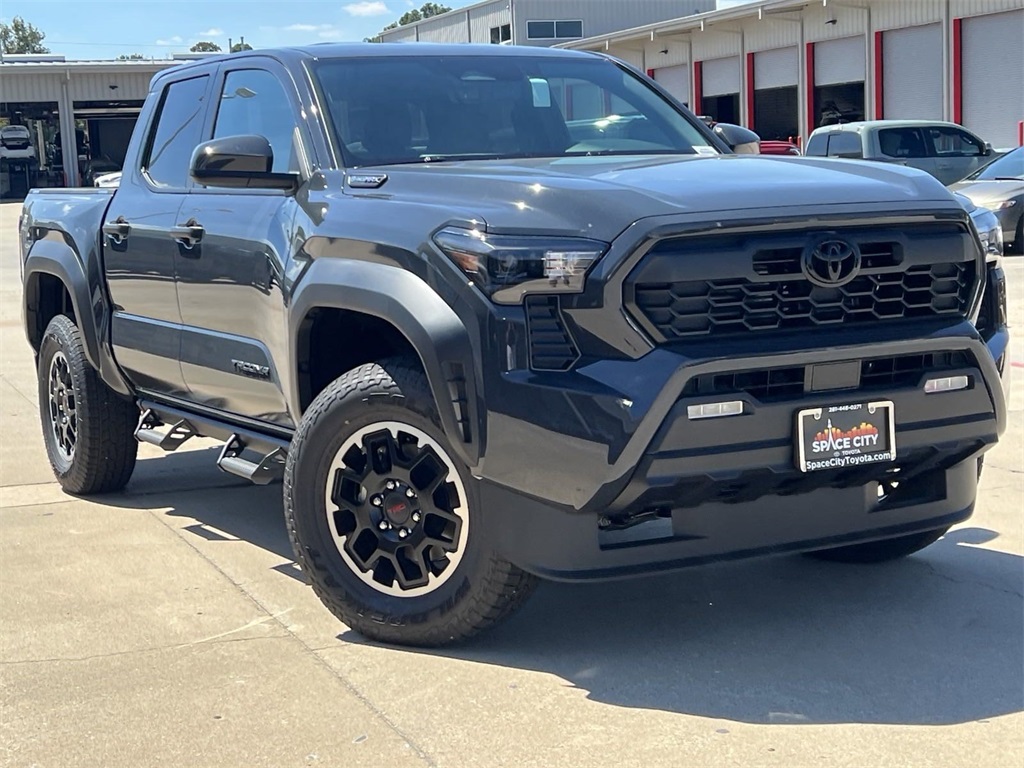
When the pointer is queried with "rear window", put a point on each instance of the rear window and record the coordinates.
(175, 133)
(844, 144)
(428, 109)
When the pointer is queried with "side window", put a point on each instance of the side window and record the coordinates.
(816, 146)
(175, 133)
(253, 102)
(901, 142)
(949, 142)
(844, 144)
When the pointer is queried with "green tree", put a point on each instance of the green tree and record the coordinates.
(21, 37)
(242, 46)
(205, 46)
(130, 57)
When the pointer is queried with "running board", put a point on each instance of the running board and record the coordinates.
(171, 440)
(264, 472)
(272, 449)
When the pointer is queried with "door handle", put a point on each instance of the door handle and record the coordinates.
(117, 230)
(188, 234)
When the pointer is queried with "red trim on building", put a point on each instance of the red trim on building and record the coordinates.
(698, 88)
(810, 88)
(650, 73)
(879, 77)
(958, 86)
(1020, 134)
(750, 91)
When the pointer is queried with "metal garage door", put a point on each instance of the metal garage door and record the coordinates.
(912, 73)
(840, 61)
(993, 76)
(776, 69)
(721, 76)
(675, 80)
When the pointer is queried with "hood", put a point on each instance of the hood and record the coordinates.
(599, 197)
(982, 192)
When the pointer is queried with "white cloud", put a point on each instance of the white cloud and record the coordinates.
(331, 33)
(170, 41)
(212, 32)
(302, 27)
(367, 8)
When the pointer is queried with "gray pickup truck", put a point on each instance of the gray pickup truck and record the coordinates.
(494, 314)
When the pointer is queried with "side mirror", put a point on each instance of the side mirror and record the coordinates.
(741, 140)
(988, 149)
(239, 162)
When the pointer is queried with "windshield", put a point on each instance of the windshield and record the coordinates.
(1009, 166)
(406, 109)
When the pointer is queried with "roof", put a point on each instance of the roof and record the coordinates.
(860, 125)
(447, 14)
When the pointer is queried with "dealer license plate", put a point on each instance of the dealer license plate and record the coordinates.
(837, 436)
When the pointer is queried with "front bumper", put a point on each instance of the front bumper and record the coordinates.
(593, 451)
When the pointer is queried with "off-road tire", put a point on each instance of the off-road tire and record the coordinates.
(880, 551)
(482, 589)
(103, 456)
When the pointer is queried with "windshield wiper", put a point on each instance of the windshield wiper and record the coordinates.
(456, 156)
(1007, 178)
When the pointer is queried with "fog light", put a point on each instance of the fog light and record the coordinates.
(714, 410)
(946, 384)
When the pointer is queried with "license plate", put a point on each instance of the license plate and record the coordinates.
(837, 436)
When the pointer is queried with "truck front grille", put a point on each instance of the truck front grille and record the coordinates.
(719, 287)
(551, 344)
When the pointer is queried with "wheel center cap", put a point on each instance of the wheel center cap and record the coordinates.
(397, 509)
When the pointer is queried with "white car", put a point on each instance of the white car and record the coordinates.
(108, 180)
(16, 143)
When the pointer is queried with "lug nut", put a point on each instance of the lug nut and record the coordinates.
(375, 501)
(416, 516)
(383, 525)
(402, 533)
(410, 493)
(390, 485)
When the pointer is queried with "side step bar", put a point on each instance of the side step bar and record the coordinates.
(273, 450)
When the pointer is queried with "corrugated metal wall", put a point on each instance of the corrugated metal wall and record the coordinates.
(715, 45)
(399, 35)
(635, 58)
(19, 87)
(665, 53)
(993, 76)
(482, 19)
(449, 28)
(603, 16)
(96, 86)
(766, 34)
(907, 13)
(959, 8)
(675, 80)
(840, 61)
(849, 21)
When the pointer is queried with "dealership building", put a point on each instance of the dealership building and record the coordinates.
(79, 117)
(784, 67)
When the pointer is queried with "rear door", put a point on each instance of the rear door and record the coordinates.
(234, 343)
(906, 145)
(138, 246)
(957, 152)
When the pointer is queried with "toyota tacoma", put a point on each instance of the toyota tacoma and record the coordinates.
(496, 314)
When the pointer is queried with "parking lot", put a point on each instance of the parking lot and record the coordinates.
(168, 626)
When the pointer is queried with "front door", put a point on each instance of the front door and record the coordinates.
(234, 342)
(957, 153)
(138, 244)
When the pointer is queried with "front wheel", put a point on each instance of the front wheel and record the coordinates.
(386, 521)
(881, 551)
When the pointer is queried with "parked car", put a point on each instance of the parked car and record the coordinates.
(999, 186)
(945, 150)
(481, 348)
(16, 143)
(775, 147)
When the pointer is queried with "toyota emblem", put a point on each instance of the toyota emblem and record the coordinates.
(831, 263)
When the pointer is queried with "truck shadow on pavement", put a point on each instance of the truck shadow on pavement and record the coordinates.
(937, 638)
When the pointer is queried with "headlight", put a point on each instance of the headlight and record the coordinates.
(507, 267)
(1000, 205)
(992, 242)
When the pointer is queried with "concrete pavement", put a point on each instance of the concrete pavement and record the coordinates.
(167, 625)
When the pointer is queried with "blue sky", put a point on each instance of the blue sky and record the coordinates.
(104, 29)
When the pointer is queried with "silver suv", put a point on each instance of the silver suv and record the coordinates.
(945, 150)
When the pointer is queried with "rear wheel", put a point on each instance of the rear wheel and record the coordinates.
(880, 551)
(386, 521)
(88, 429)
